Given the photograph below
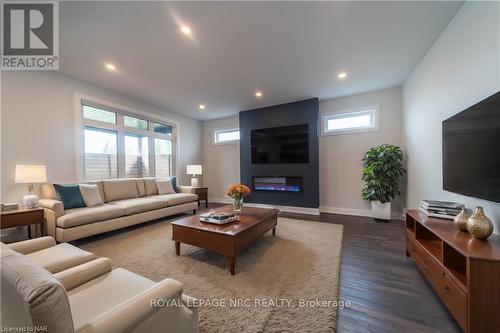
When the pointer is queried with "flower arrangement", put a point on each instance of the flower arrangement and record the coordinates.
(238, 192)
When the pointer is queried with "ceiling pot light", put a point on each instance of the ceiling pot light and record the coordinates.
(201, 106)
(110, 66)
(186, 30)
(342, 75)
(258, 94)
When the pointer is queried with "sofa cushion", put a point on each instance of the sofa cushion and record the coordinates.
(118, 189)
(99, 186)
(31, 295)
(173, 179)
(176, 198)
(141, 187)
(85, 215)
(165, 186)
(150, 184)
(91, 195)
(139, 205)
(60, 257)
(70, 195)
(90, 300)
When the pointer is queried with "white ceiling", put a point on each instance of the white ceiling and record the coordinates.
(289, 50)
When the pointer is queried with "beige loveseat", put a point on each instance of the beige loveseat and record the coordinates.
(126, 202)
(88, 296)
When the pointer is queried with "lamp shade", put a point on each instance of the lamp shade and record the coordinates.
(30, 174)
(194, 170)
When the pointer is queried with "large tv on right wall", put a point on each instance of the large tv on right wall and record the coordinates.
(471, 150)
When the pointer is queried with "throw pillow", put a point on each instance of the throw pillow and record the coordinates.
(174, 184)
(164, 186)
(90, 194)
(70, 195)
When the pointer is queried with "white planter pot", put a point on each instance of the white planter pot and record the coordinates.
(381, 211)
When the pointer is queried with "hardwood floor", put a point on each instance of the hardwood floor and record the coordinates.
(386, 290)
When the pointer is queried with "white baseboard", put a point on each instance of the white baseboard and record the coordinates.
(356, 212)
(291, 209)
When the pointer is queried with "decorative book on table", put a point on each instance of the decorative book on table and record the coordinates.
(441, 209)
(218, 217)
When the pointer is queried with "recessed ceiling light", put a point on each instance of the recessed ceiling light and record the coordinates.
(186, 30)
(110, 66)
(258, 94)
(342, 75)
(201, 106)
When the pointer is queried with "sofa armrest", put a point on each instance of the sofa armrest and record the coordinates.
(78, 275)
(53, 209)
(32, 245)
(130, 314)
(186, 189)
(54, 205)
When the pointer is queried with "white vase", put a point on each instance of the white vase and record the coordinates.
(381, 211)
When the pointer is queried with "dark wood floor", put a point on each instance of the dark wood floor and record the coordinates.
(386, 290)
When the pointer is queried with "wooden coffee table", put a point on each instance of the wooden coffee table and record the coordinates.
(228, 239)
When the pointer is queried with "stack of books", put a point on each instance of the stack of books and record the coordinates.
(218, 217)
(442, 209)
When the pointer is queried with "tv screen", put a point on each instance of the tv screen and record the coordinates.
(471, 150)
(287, 144)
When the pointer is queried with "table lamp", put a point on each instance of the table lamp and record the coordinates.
(29, 174)
(194, 170)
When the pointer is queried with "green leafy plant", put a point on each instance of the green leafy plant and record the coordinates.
(382, 170)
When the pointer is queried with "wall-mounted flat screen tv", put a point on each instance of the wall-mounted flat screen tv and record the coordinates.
(287, 144)
(471, 150)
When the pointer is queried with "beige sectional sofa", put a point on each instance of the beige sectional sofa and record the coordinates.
(87, 296)
(126, 202)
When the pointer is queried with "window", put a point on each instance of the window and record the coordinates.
(136, 156)
(163, 157)
(137, 123)
(105, 116)
(231, 135)
(120, 144)
(353, 121)
(161, 128)
(101, 159)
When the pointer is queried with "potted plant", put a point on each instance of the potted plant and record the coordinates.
(237, 192)
(382, 170)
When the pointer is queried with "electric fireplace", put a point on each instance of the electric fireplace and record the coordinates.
(278, 184)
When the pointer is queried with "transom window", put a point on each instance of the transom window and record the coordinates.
(228, 135)
(120, 144)
(352, 121)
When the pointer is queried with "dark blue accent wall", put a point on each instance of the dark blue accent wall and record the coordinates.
(296, 113)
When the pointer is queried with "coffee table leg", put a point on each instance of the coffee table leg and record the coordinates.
(274, 231)
(177, 248)
(232, 263)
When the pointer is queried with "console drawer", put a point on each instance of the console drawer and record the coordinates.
(456, 301)
(431, 268)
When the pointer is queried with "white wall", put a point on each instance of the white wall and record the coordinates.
(221, 163)
(38, 126)
(340, 155)
(461, 69)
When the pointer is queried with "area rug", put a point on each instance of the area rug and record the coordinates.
(285, 283)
